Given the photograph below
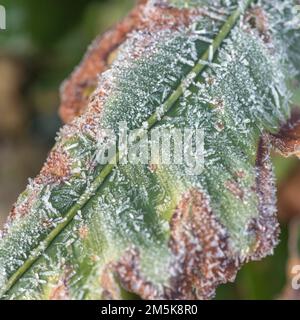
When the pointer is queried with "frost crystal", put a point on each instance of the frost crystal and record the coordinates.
(81, 222)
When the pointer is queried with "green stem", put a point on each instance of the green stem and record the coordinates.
(152, 120)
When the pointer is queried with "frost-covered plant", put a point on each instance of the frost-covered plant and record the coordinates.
(83, 230)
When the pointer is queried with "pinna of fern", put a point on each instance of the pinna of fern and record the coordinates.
(84, 230)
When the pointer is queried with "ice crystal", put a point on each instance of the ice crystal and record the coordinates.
(80, 220)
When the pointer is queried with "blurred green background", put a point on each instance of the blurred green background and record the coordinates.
(43, 42)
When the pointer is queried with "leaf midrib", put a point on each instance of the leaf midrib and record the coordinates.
(152, 120)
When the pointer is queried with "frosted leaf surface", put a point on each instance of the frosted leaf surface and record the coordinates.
(160, 232)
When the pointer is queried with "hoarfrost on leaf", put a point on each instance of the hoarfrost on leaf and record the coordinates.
(84, 229)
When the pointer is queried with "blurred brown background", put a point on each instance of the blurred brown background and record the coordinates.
(43, 42)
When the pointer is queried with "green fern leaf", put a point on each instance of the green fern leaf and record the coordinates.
(84, 230)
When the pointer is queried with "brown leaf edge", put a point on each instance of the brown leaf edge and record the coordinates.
(287, 141)
(76, 91)
(202, 254)
(200, 244)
